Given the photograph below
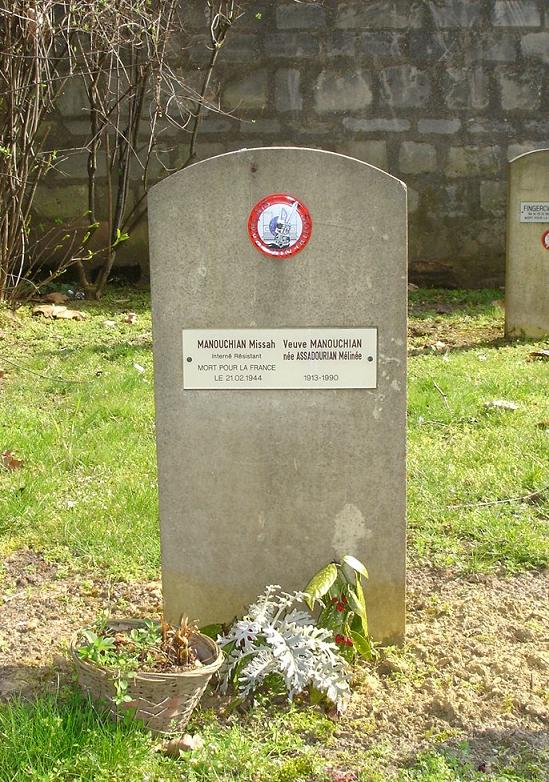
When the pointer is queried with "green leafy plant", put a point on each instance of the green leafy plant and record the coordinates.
(277, 642)
(338, 589)
(153, 647)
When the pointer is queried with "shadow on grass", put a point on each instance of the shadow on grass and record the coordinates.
(122, 298)
(482, 343)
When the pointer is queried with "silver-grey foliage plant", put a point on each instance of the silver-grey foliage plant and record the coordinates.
(278, 637)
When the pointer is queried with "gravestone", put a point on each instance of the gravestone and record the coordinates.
(279, 321)
(527, 270)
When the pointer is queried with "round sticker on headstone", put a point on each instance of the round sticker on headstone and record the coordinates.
(545, 239)
(279, 225)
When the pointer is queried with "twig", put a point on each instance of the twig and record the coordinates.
(43, 377)
(505, 501)
(443, 395)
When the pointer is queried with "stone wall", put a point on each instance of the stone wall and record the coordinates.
(440, 93)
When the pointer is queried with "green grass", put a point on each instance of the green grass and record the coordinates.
(78, 412)
(86, 434)
(466, 455)
(60, 738)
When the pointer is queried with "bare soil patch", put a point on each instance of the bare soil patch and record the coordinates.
(475, 666)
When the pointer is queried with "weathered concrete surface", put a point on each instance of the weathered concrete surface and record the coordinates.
(261, 487)
(527, 270)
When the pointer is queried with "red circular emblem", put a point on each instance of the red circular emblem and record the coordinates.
(545, 239)
(280, 225)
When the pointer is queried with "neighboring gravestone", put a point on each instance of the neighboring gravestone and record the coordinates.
(527, 273)
(279, 322)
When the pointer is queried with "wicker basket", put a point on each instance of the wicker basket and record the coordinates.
(164, 702)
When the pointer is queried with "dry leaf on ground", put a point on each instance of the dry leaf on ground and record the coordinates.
(501, 404)
(9, 462)
(109, 324)
(539, 354)
(130, 318)
(186, 743)
(57, 312)
(139, 367)
(438, 346)
(55, 298)
(66, 314)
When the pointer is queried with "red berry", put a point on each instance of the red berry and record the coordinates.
(348, 642)
(343, 599)
(339, 639)
(340, 607)
(334, 600)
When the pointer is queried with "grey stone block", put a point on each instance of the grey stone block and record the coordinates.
(439, 126)
(74, 165)
(304, 16)
(247, 92)
(79, 128)
(288, 90)
(182, 150)
(537, 127)
(457, 199)
(493, 197)
(466, 88)
(451, 199)
(494, 47)
(65, 202)
(73, 102)
(519, 89)
(195, 15)
(413, 200)
(320, 131)
(405, 86)
(265, 126)
(472, 160)
(342, 91)
(293, 46)
(390, 14)
(341, 43)
(373, 152)
(417, 158)
(231, 520)
(514, 150)
(239, 48)
(516, 13)
(436, 46)
(526, 279)
(199, 52)
(536, 46)
(382, 45)
(214, 122)
(491, 126)
(455, 13)
(384, 124)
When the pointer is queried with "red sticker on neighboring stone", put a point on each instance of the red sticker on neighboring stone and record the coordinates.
(280, 225)
(545, 239)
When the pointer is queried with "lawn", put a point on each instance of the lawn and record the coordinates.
(77, 409)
